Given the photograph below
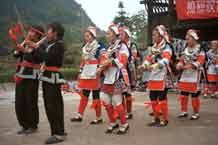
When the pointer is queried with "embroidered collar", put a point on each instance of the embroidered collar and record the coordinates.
(114, 46)
(90, 49)
(194, 50)
(156, 48)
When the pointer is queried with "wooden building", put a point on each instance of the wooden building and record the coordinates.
(164, 12)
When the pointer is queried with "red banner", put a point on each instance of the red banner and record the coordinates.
(196, 9)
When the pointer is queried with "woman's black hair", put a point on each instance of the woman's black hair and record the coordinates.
(57, 27)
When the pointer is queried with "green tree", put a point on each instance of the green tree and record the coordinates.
(138, 27)
(137, 24)
(122, 18)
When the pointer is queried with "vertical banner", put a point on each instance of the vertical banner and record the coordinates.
(196, 9)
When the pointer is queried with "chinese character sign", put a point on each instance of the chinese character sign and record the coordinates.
(196, 9)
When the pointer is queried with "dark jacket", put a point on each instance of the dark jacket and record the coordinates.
(24, 71)
(51, 56)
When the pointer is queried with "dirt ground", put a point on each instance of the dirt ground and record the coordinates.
(179, 132)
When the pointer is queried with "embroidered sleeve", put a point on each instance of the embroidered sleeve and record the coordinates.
(166, 56)
(200, 60)
(122, 59)
(103, 56)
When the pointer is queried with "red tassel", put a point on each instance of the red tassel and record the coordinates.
(12, 36)
(18, 30)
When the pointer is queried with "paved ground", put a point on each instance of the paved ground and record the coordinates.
(179, 132)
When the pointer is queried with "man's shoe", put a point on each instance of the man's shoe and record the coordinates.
(21, 131)
(55, 139)
(30, 131)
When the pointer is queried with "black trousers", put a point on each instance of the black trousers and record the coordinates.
(54, 107)
(26, 103)
(158, 95)
(193, 95)
(95, 93)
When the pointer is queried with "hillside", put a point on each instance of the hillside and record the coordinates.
(42, 12)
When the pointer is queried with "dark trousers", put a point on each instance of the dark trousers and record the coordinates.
(26, 103)
(95, 93)
(193, 95)
(54, 107)
(158, 95)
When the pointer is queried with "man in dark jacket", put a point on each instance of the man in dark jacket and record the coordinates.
(52, 59)
(26, 93)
